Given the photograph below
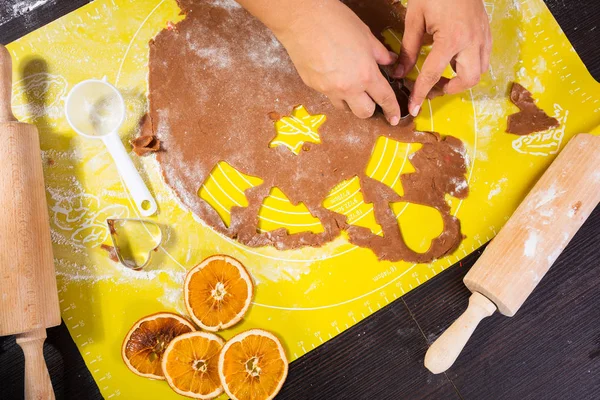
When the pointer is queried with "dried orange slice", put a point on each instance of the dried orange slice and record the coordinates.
(190, 364)
(217, 292)
(253, 366)
(147, 340)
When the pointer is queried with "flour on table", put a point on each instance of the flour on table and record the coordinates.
(497, 188)
(21, 8)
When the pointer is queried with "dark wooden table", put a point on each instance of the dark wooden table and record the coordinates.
(550, 350)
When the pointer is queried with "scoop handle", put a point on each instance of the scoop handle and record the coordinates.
(6, 114)
(444, 351)
(135, 185)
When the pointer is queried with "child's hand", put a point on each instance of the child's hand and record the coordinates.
(336, 54)
(461, 37)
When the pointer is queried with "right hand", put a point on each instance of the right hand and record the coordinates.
(336, 54)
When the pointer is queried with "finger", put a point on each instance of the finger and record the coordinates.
(382, 55)
(414, 29)
(486, 50)
(383, 94)
(338, 103)
(468, 70)
(361, 105)
(432, 70)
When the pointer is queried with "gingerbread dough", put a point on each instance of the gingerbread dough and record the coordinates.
(531, 118)
(217, 80)
(145, 144)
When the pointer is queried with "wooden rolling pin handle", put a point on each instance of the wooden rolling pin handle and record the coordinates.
(444, 351)
(6, 114)
(37, 380)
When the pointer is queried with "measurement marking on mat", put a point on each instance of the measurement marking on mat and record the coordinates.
(97, 370)
(70, 318)
(410, 286)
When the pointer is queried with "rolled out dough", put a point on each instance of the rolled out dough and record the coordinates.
(215, 83)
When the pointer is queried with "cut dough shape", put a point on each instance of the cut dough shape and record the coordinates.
(206, 117)
(278, 212)
(298, 128)
(347, 199)
(531, 118)
(225, 188)
(391, 159)
(419, 225)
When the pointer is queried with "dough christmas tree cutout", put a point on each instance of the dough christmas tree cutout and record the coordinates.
(225, 188)
(277, 211)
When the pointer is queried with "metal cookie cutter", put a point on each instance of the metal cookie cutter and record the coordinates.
(401, 91)
(134, 241)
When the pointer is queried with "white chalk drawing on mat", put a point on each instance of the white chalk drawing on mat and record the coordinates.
(39, 95)
(544, 143)
(75, 216)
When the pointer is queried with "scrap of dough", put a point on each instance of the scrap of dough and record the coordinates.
(206, 117)
(531, 118)
(145, 144)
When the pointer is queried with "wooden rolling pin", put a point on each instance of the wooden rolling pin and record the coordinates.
(29, 299)
(518, 258)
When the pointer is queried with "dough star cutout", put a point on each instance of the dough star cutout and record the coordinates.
(297, 129)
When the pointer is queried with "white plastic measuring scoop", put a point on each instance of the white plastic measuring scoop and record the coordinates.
(95, 109)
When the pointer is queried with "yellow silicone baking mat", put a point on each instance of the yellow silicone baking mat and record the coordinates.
(306, 296)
